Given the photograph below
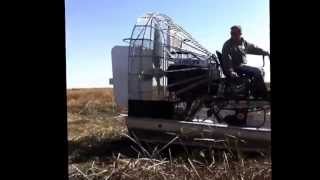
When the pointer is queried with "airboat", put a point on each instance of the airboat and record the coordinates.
(175, 90)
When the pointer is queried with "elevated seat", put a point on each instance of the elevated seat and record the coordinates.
(219, 54)
(240, 85)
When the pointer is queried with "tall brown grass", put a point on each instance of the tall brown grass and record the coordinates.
(91, 101)
(91, 114)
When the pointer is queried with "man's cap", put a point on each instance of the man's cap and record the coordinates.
(236, 27)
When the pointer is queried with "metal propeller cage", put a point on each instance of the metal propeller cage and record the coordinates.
(156, 42)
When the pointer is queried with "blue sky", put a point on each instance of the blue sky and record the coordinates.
(93, 27)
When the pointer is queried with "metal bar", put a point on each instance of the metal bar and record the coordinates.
(187, 51)
(185, 81)
(191, 86)
(143, 39)
(185, 69)
(145, 56)
(193, 127)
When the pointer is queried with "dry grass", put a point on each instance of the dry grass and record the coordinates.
(91, 113)
(145, 168)
(98, 150)
(102, 127)
(92, 119)
(91, 101)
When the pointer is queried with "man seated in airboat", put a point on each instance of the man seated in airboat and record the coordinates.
(233, 60)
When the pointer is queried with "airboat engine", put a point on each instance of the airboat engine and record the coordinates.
(174, 84)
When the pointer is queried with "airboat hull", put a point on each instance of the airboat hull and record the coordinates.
(200, 133)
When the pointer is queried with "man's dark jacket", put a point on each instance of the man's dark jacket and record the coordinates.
(234, 54)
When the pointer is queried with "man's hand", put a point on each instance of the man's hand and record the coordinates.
(233, 74)
(266, 53)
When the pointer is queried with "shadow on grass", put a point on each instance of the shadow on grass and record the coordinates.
(90, 148)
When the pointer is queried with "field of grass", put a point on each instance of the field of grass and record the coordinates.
(100, 149)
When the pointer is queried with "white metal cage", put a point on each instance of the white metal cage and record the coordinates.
(155, 43)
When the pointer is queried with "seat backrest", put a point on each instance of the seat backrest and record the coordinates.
(219, 55)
